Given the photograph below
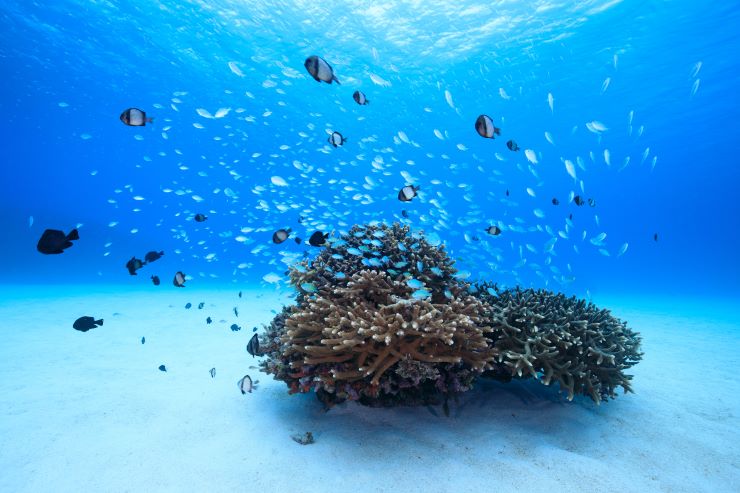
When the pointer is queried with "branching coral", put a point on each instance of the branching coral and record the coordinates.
(554, 338)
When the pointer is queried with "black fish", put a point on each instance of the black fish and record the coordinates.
(555, 201)
(199, 218)
(235, 328)
(143, 339)
(407, 193)
(53, 241)
(655, 237)
(240, 294)
(485, 127)
(162, 368)
(134, 117)
(254, 329)
(507, 192)
(133, 265)
(280, 236)
(155, 280)
(213, 372)
(83, 324)
(360, 98)
(188, 305)
(236, 312)
(179, 280)
(570, 216)
(245, 384)
(152, 256)
(320, 70)
(253, 347)
(493, 230)
(578, 200)
(512, 145)
(336, 139)
(209, 320)
(201, 305)
(297, 240)
(318, 238)
(404, 213)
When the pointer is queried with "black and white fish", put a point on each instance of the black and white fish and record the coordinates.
(134, 264)
(213, 372)
(512, 145)
(245, 384)
(280, 236)
(320, 70)
(155, 280)
(485, 127)
(592, 202)
(199, 218)
(336, 139)
(318, 238)
(578, 200)
(407, 193)
(152, 256)
(53, 241)
(179, 280)
(360, 98)
(493, 230)
(253, 347)
(83, 324)
(134, 117)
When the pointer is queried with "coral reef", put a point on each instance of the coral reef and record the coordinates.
(381, 319)
(554, 338)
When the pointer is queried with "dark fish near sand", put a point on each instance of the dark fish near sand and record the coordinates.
(155, 280)
(162, 368)
(253, 347)
(360, 98)
(318, 238)
(493, 230)
(512, 145)
(133, 265)
(240, 294)
(280, 236)
(179, 280)
(235, 328)
(485, 127)
(336, 139)
(152, 256)
(201, 305)
(236, 312)
(143, 340)
(188, 305)
(213, 372)
(407, 193)
(245, 384)
(209, 320)
(53, 241)
(320, 70)
(199, 218)
(83, 324)
(134, 117)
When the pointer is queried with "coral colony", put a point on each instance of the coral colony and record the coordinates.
(382, 319)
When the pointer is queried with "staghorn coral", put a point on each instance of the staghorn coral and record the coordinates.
(554, 338)
(362, 329)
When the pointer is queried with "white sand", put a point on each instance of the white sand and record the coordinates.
(91, 412)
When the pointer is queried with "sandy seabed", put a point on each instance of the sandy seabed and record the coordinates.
(92, 412)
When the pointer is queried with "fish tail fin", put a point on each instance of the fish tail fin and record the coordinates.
(334, 78)
(99, 322)
(497, 130)
(73, 235)
(367, 101)
(150, 119)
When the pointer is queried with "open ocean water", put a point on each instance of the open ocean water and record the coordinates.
(613, 179)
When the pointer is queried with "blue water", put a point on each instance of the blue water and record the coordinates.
(71, 67)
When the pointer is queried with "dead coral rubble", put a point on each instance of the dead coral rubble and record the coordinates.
(361, 332)
(553, 338)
